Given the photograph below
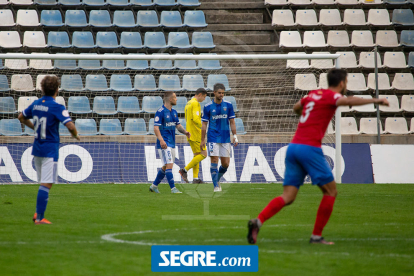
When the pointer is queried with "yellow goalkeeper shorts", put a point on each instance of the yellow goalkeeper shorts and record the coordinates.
(195, 146)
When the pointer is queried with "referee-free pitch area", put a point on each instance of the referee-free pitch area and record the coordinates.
(372, 226)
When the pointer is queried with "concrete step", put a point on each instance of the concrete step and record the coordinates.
(239, 27)
(223, 5)
(243, 38)
(246, 49)
(226, 17)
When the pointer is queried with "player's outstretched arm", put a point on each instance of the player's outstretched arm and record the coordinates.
(25, 121)
(297, 108)
(233, 130)
(352, 101)
(159, 137)
(182, 130)
(72, 129)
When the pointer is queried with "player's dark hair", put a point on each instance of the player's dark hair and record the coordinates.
(201, 91)
(218, 86)
(335, 76)
(167, 95)
(50, 84)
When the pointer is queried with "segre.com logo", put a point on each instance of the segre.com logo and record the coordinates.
(204, 258)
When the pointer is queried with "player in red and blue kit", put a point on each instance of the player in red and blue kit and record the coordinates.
(47, 114)
(304, 155)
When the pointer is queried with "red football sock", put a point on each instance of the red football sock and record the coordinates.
(324, 212)
(271, 209)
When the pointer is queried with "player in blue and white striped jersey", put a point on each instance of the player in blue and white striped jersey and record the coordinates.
(219, 115)
(165, 122)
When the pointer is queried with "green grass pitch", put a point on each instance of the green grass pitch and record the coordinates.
(372, 225)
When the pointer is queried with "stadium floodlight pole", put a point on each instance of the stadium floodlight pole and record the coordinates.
(338, 139)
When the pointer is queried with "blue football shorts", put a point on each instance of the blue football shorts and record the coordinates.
(302, 160)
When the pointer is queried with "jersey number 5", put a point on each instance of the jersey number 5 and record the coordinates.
(308, 109)
(42, 123)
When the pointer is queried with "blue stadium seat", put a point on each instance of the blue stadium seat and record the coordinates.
(151, 127)
(232, 100)
(7, 105)
(71, 83)
(83, 40)
(220, 78)
(4, 84)
(179, 40)
(10, 127)
(145, 83)
(137, 64)
(183, 122)
(203, 103)
(135, 126)
(1, 64)
(203, 40)
(107, 40)
(128, 105)
(411, 60)
(186, 64)
(75, 18)
(118, 3)
(96, 83)
(65, 64)
(104, 105)
(86, 127)
(160, 64)
(188, 3)
(407, 38)
(181, 103)
(195, 19)
(124, 19)
(45, 2)
(169, 83)
(150, 104)
(239, 126)
(70, 3)
(100, 18)
(155, 40)
(113, 64)
(192, 82)
(120, 83)
(58, 40)
(165, 3)
(63, 131)
(142, 3)
(131, 40)
(403, 17)
(79, 105)
(27, 130)
(91, 64)
(94, 3)
(147, 19)
(209, 64)
(51, 18)
(110, 127)
(171, 19)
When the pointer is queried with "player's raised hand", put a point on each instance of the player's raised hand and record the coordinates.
(163, 144)
(187, 134)
(383, 102)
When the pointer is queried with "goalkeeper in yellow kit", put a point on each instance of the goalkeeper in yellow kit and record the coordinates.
(193, 120)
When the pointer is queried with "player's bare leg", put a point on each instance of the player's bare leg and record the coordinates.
(324, 212)
(275, 205)
(42, 199)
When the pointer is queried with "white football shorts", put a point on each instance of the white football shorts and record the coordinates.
(219, 149)
(167, 155)
(46, 169)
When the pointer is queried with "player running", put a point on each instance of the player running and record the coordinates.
(46, 114)
(193, 121)
(219, 114)
(304, 155)
(165, 122)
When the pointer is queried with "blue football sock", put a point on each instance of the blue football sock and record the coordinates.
(170, 178)
(221, 172)
(159, 178)
(213, 170)
(42, 198)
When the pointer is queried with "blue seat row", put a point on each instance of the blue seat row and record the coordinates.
(88, 127)
(123, 83)
(123, 19)
(131, 40)
(102, 3)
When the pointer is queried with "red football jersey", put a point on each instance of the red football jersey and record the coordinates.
(318, 109)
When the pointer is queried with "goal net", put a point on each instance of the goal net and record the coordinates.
(112, 100)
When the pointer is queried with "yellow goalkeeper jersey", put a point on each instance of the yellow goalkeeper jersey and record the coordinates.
(193, 119)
